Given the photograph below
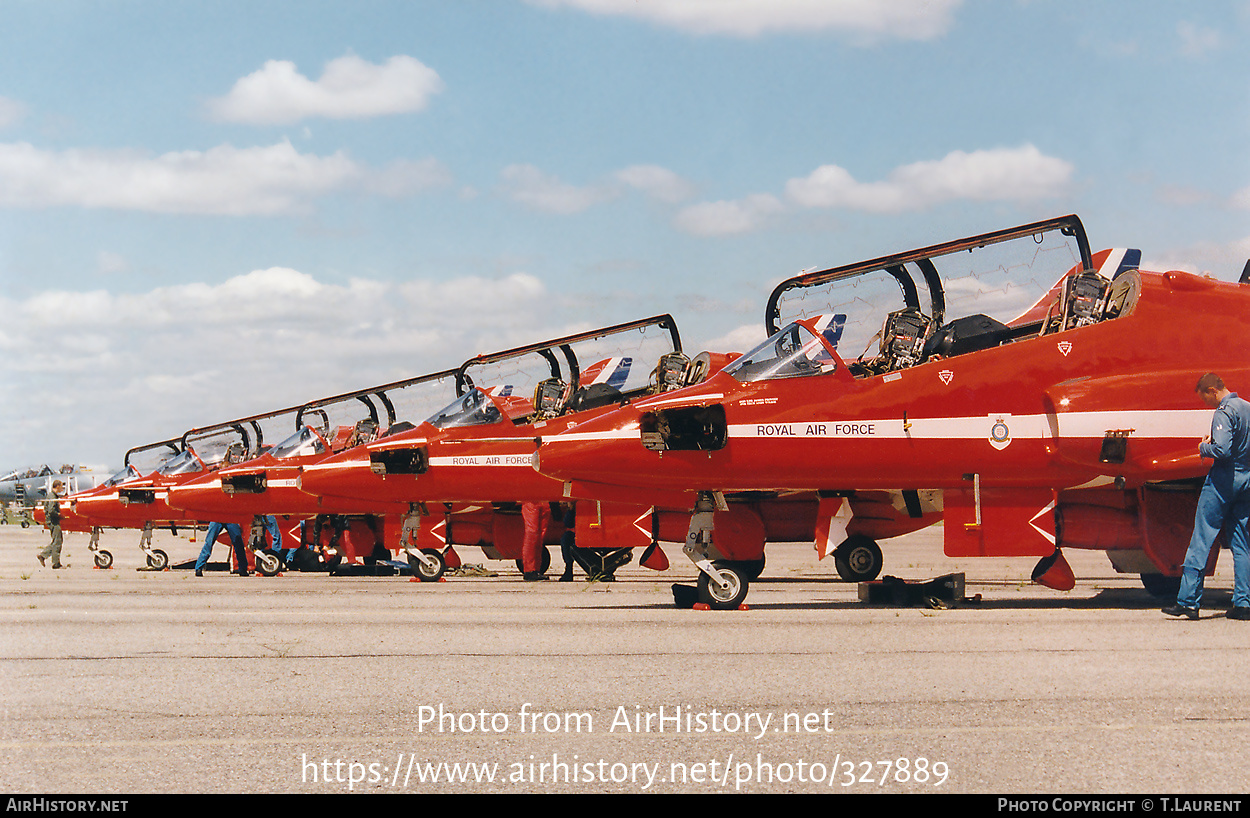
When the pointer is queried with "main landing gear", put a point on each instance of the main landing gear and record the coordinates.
(858, 559)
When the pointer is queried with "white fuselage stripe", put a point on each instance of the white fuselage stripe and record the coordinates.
(493, 460)
(1164, 423)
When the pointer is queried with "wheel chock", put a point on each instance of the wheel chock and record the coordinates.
(913, 593)
(703, 606)
(685, 596)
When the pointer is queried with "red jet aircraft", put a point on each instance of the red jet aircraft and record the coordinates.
(475, 456)
(138, 498)
(267, 485)
(90, 518)
(1073, 424)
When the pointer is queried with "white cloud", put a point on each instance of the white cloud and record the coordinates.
(349, 88)
(725, 218)
(535, 189)
(108, 262)
(404, 177)
(657, 182)
(152, 364)
(1015, 174)
(538, 190)
(223, 180)
(1197, 41)
(11, 112)
(1004, 174)
(868, 20)
(1224, 261)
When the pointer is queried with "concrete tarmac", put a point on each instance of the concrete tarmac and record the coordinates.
(127, 681)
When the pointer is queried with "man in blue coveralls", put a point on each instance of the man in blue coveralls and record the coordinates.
(1225, 500)
(235, 532)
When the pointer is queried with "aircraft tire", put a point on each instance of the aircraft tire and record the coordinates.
(25, 524)
(752, 568)
(858, 559)
(724, 599)
(544, 561)
(267, 564)
(1161, 585)
(159, 560)
(103, 559)
(424, 572)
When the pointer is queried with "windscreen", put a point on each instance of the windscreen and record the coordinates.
(474, 408)
(128, 473)
(302, 443)
(184, 463)
(794, 352)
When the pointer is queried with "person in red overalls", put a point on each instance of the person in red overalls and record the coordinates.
(537, 518)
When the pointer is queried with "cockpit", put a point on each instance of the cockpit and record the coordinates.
(473, 408)
(796, 351)
(306, 441)
(603, 383)
(185, 462)
(1000, 287)
(128, 473)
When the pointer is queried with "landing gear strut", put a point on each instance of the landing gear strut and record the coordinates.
(102, 558)
(723, 584)
(157, 559)
(427, 564)
(268, 564)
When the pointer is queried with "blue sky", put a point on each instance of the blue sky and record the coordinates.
(209, 210)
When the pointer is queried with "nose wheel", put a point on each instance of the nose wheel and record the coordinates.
(724, 588)
(103, 559)
(429, 567)
(267, 564)
(158, 560)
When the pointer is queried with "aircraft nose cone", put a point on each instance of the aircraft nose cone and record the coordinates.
(563, 458)
(188, 498)
(348, 477)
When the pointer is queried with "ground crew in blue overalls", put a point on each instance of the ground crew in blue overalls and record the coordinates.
(1224, 502)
